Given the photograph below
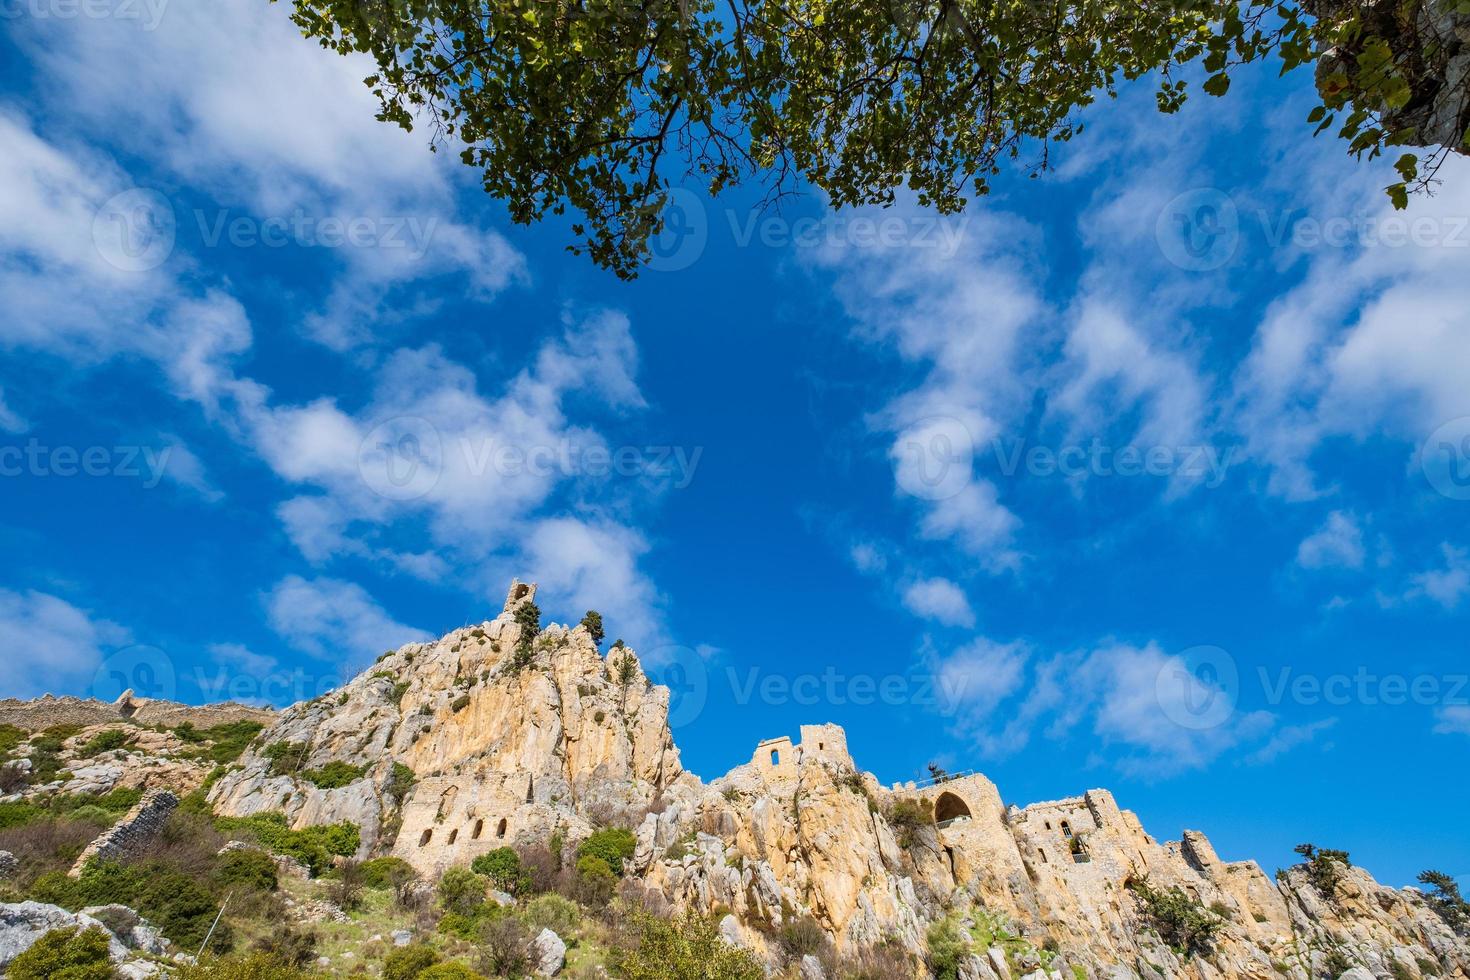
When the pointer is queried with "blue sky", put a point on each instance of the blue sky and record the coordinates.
(1148, 474)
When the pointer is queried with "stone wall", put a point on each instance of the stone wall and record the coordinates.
(132, 834)
(48, 711)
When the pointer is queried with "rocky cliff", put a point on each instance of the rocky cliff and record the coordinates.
(507, 734)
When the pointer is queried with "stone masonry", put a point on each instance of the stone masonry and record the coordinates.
(133, 833)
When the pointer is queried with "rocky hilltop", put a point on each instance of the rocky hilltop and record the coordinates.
(506, 733)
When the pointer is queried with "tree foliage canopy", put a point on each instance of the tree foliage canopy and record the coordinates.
(601, 106)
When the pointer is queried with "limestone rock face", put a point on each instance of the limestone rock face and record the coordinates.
(508, 739)
(512, 739)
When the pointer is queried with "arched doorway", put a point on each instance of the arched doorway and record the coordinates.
(949, 808)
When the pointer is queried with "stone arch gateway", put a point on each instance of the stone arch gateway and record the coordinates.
(949, 808)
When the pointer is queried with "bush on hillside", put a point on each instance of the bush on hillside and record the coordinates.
(408, 962)
(687, 946)
(613, 845)
(334, 775)
(502, 867)
(65, 954)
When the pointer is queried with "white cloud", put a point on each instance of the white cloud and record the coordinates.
(1338, 543)
(181, 466)
(978, 676)
(1452, 720)
(867, 558)
(1447, 585)
(1287, 738)
(957, 309)
(52, 645)
(9, 421)
(241, 657)
(230, 98)
(334, 620)
(939, 599)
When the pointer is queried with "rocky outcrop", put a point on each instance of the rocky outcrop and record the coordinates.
(23, 923)
(48, 712)
(502, 748)
(493, 736)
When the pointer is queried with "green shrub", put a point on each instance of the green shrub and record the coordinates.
(65, 954)
(553, 912)
(52, 739)
(180, 906)
(334, 775)
(118, 802)
(259, 966)
(460, 703)
(10, 739)
(226, 742)
(19, 814)
(106, 741)
(286, 758)
(909, 817)
(687, 946)
(948, 946)
(503, 867)
(461, 890)
(247, 869)
(401, 780)
(801, 936)
(452, 970)
(1182, 923)
(613, 845)
(386, 872)
(312, 846)
(408, 962)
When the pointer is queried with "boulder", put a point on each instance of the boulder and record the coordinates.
(8, 864)
(549, 952)
(401, 937)
(131, 929)
(811, 968)
(23, 923)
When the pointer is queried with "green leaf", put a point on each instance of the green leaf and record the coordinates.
(1217, 84)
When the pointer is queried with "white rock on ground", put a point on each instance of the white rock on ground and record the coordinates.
(549, 952)
(8, 864)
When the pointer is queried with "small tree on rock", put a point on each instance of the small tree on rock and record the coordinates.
(593, 624)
